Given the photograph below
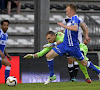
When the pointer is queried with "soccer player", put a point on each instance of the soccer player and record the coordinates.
(73, 65)
(51, 37)
(70, 43)
(3, 41)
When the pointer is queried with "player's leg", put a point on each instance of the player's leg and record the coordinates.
(81, 59)
(71, 68)
(50, 60)
(59, 50)
(76, 67)
(8, 67)
(84, 50)
(89, 65)
(97, 67)
(85, 72)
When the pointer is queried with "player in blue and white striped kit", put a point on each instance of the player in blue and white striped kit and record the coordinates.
(3, 41)
(70, 43)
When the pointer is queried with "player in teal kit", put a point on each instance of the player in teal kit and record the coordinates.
(52, 37)
(3, 41)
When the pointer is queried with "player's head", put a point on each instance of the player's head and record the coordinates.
(50, 36)
(4, 25)
(71, 10)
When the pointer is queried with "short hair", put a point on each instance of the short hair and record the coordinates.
(4, 21)
(50, 32)
(72, 6)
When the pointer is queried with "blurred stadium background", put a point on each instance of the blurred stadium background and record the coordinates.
(27, 35)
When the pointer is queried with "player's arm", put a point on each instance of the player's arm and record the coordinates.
(38, 54)
(8, 56)
(72, 28)
(85, 31)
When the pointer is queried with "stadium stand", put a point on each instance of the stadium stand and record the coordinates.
(22, 25)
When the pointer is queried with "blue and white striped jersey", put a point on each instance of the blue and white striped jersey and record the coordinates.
(80, 32)
(3, 40)
(71, 37)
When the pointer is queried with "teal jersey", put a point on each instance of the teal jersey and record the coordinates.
(59, 37)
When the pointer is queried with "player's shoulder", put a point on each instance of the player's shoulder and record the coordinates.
(81, 20)
(59, 33)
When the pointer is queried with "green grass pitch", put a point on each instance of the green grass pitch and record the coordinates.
(95, 85)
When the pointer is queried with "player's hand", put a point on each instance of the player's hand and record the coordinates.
(29, 56)
(87, 40)
(9, 57)
(61, 24)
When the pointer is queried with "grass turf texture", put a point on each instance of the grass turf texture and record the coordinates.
(95, 85)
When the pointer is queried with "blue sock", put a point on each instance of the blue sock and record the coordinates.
(91, 66)
(0, 64)
(51, 67)
(7, 72)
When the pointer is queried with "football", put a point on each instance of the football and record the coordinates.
(11, 81)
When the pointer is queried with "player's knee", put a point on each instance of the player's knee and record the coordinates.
(8, 64)
(84, 64)
(48, 56)
(70, 60)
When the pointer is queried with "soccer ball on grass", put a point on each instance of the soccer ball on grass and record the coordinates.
(11, 81)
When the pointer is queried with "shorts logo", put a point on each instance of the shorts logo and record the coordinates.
(58, 50)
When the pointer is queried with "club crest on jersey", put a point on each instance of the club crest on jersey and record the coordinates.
(60, 34)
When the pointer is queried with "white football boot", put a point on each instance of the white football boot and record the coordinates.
(50, 79)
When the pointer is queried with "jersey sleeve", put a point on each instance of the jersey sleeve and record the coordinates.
(44, 51)
(75, 20)
(81, 20)
(60, 36)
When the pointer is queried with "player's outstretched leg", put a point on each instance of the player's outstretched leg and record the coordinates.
(97, 67)
(51, 70)
(84, 70)
(91, 66)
